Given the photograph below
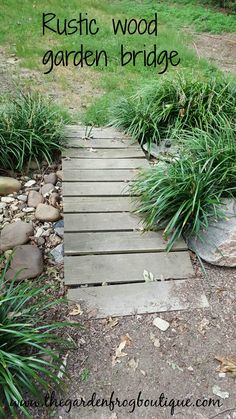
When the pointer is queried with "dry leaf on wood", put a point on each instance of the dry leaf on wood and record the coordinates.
(119, 353)
(227, 364)
(76, 311)
(127, 339)
(110, 322)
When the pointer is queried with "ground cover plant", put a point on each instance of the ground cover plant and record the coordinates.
(31, 128)
(30, 350)
(186, 194)
(164, 108)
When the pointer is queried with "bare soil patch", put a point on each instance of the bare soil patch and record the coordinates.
(219, 49)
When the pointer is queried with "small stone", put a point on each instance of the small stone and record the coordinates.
(47, 189)
(22, 198)
(161, 324)
(46, 212)
(40, 241)
(28, 209)
(8, 254)
(1, 218)
(222, 374)
(15, 234)
(9, 185)
(59, 174)
(30, 183)
(39, 232)
(7, 199)
(34, 198)
(218, 392)
(3, 205)
(58, 253)
(14, 208)
(27, 263)
(54, 198)
(59, 228)
(51, 178)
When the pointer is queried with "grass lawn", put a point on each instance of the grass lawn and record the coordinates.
(21, 33)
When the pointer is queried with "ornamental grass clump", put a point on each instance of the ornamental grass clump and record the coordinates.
(185, 195)
(167, 107)
(31, 128)
(30, 359)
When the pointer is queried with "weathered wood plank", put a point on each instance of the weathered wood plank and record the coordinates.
(101, 222)
(99, 175)
(95, 189)
(93, 164)
(79, 131)
(117, 242)
(121, 268)
(152, 297)
(100, 143)
(74, 204)
(123, 153)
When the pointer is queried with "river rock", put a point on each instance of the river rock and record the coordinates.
(47, 189)
(27, 263)
(57, 253)
(59, 174)
(59, 228)
(51, 178)
(30, 183)
(34, 198)
(9, 185)
(54, 199)
(217, 244)
(46, 212)
(15, 234)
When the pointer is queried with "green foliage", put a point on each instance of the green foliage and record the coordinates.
(186, 194)
(26, 341)
(31, 128)
(165, 108)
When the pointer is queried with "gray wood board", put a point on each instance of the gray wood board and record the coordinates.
(123, 153)
(97, 269)
(117, 242)
(99, 143)
(93, 164)
(129, 299)
(95, 189)
(74, 204)
(80, 132)
(99, 175)
(101, 222)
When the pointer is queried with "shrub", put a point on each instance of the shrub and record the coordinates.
(186, 194)
(31, 128)
(165, 108)
(26, 339)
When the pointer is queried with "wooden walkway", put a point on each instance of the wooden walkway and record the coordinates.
(108, 258)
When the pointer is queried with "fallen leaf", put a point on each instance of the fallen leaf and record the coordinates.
(148, 276)
(154, 340)
(143, 373)
(227, 364)
(76, 311)
(174, 366)
(119, 353)
(203, 326)
(127, 339)
(218, 392)
(133, 364)
(110, 322)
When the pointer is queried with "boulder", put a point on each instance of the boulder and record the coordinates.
(27, 263)
(217, 244)
(46, 212)
(15, 234)
(9, 185)
(35, 198)
(51, 178)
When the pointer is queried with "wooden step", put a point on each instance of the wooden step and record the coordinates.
(99, 143)
(99, 175)
(79, 131)
(75, 204)
(118, 242)
(150, 297)
(96, 189)
(123, 153)
(115, 164)
(101, 222)
(97, 269)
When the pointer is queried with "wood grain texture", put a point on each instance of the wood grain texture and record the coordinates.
(123, 153)
(103, 164)
(117, 242)
(97, 269)
(73, 204)
(130, 299)
(99, 175)
(101, 222)
(100, 143)
(95, 189)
